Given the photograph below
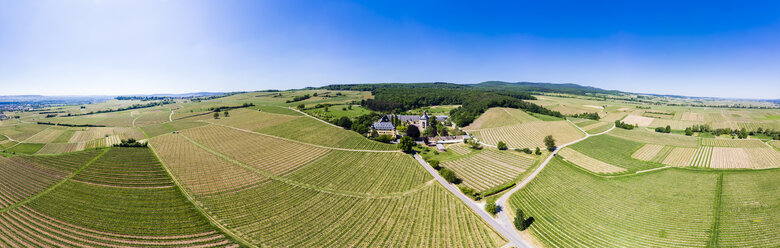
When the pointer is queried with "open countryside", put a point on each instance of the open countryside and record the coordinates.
(318, 124)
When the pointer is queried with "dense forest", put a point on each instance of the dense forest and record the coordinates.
(474, 101)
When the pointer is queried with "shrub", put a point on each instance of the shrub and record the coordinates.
(301, 106)
(384, 138)
(473, 194)
(344, 122)
(501, 145)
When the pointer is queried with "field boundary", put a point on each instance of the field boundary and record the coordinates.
(55, 186)
(714, 231)
(199, 206)
(309, 186)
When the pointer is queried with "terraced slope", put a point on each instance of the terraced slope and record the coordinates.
(668, 208)
(111, 211)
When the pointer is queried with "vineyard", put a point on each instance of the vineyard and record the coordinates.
(750, 209)
(752, 126)
(680, 156)
(597, 127)
(647, 152)
(269, 154)
(613, 150)
(55, 148)
(88, 214)
(589, 163)
(645, 136)
(668, 208)
(313, 131)
(489, 168)
(751, 143)
(459, 149)
(22, 131)
(46, 136)
(152, 117)
(702, 157)
(368, 172)
(531, 134)
(200, 171)
(250, 119)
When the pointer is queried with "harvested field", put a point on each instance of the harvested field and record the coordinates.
(22, 131)
(749, 143)
(561, 199)
(269, 154)
(152, 117)
(589, 163)
(55, 148)
(702, 157)
(530, 134)
(680, 156)
(775, 143)
(612, 117)
(646, 136)
(674, 124)
(499, 117)
(113, 140)
(593, 106)
(46, 136)
(250, 119)
(647, 152)
(200, 171)
(638, 120)
(692, 116)
(489, 168)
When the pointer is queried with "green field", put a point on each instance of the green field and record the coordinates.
(313, 131)
(614, 151)
(25, 148)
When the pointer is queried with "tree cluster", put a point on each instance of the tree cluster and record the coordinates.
(131, 143)
(667, 129)
(623, 125)
(592, 116)
(299, 98)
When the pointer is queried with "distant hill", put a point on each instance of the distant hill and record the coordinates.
(543, 87)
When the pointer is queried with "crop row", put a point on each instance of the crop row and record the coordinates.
(702, 157)
(729, 158)
(647, 152)
(680, 156)
(750, 143)
(750, 209)
(459, 149)
(489, 168)
(310, 130)
(250, 119)
(531, 134)
(46, 136)
(200, 171)
(366, 172)
(427, 218)
(589, 163)
(669, 208)
(269, 154)
(645, 136)
(56, 148)
(126, 167)
(613, 150)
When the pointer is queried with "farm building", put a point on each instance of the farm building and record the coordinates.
(385, 124)
(441, 148)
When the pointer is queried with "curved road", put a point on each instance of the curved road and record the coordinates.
(502, 224)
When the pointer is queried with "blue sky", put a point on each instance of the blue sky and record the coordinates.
(698, 48)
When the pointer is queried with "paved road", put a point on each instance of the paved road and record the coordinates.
(509, 233)
(502, 224)
(503, 216)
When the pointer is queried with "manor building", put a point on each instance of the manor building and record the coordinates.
(384, 126)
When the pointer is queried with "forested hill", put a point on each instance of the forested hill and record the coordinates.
(473, 100)
(542, 87)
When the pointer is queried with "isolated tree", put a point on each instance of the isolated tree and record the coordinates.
(491, 208)
(326, 109)
(501, 145)
(412, 131)
(448, 175)
(668, 129)
(226, 114)
(434, 164)
(538, 151)
(349, 107)
(519, 219)
(344, 122)
(301, 106)
(549, 142)
(406, 144)
(216, 115)
(688, 131)
(315, 94)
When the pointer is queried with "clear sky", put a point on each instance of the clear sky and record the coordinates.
(698, 48)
